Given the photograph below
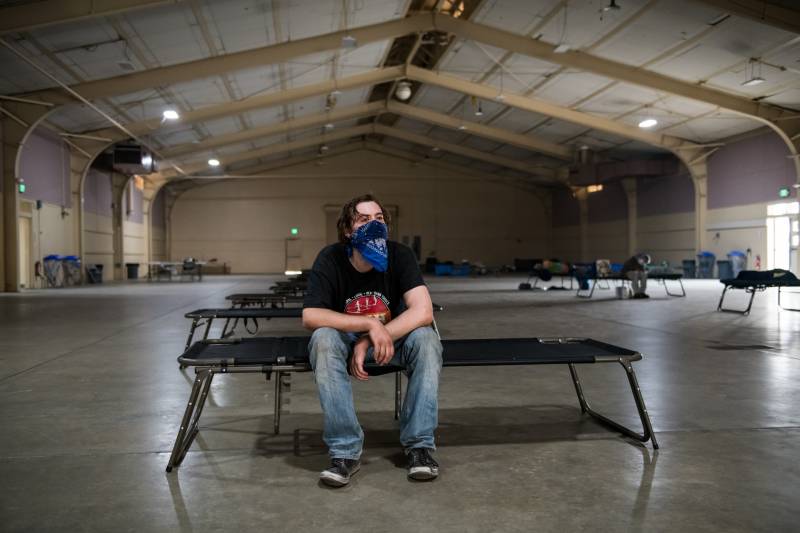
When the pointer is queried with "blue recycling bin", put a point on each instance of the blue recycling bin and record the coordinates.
(705, 265)
(738, 261)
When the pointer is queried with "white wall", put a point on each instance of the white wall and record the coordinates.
(666, 237)
(739, 228)
(99, 242)
(245, 222)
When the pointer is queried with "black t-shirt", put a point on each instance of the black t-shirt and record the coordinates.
(334, 283)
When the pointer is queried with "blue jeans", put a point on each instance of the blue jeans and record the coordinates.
(420, 352)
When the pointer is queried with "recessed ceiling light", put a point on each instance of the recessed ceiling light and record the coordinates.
(648, 123)
(213, 162)
(170, 114)
(329, 126)
(462, 127)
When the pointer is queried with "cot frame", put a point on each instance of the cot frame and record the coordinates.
(205, 372)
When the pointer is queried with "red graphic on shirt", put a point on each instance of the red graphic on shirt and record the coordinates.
(372, 304)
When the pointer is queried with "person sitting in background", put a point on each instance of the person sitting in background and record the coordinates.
(634, 270)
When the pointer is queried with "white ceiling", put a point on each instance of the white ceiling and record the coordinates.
(684, 39)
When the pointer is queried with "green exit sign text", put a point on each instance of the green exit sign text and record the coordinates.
(783, 192)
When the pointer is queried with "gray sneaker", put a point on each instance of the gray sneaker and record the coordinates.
(340, 471)
(421, 466)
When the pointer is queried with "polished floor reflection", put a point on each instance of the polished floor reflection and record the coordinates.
(91, 398)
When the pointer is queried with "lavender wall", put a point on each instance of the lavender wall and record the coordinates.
(665, 195)
(136, 215)
(158, 212)
(44, 165)
(97, 193)
(566, 211)
(749, 171)
(608, 205)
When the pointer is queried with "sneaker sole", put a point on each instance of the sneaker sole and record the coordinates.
(334, 480)
(422, 473)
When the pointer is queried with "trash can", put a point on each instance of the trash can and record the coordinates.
(71, 264)
(724, 269)
(705, 265)
(689, 268)
(738, 261)
(133, 270)
(94, 273)
(53, 271)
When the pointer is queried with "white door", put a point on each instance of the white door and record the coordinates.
(782, 235)
(24, 252)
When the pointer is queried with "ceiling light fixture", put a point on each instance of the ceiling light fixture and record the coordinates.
(594, 188)
(752, 75)
(403, 91)
(213, 162)
(562, 48)
(348, 41)
(170, 114)
(329, 126)
(648, 123)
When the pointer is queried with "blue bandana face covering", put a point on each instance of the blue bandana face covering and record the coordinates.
(370, 241)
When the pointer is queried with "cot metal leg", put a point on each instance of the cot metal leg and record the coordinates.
(591, 292)
(278, 401)
(191, 417)
(647, 434)
(737, 311)
(191, 333)
(398, 394)
(666, 288)
(782, 307)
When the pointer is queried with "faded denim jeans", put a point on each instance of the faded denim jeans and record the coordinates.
(419, 352)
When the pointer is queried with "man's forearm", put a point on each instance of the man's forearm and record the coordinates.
(314, 318)
(408, 321)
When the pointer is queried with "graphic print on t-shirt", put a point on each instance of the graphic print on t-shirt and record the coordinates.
(370, 303)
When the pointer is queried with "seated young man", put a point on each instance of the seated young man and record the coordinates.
(634, 270)
(366, 301)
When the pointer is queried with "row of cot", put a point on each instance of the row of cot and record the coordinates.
(282, 356)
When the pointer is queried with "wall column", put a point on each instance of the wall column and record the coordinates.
(18, 120)
(629, 186)
(583, 202)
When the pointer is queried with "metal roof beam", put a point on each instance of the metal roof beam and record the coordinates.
(267, 55)
(506, 137)
(424, 140)
(309, 121)
(605, 67)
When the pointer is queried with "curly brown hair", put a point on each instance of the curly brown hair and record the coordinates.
(345, 223)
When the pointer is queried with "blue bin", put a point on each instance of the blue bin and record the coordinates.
(705, 265)
(738, 261)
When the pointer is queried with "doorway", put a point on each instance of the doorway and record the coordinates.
(783, 235)
(25, 250)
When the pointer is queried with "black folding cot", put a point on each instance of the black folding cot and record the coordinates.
(236, 314)
(752, 281)
(285, 355)
(263, 299)
(661, 277)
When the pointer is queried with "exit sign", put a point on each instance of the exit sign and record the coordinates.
(295, 231)
(21, 187)
(783, 192)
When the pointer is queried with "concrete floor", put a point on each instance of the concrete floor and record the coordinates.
(91, 399)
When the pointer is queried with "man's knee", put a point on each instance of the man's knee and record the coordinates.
(424, 343)
(325, 344)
